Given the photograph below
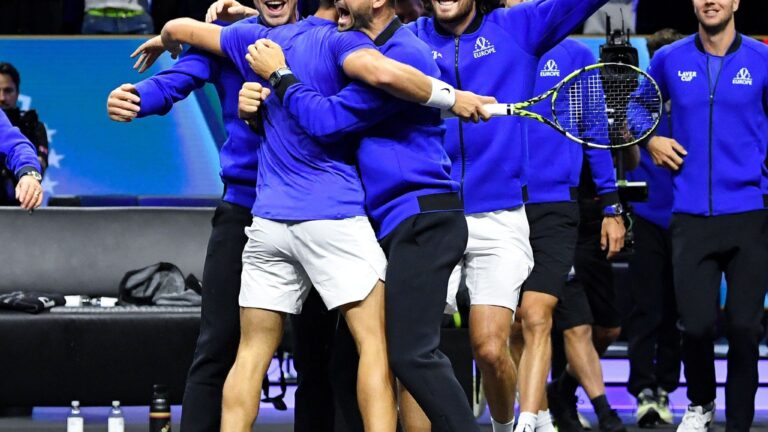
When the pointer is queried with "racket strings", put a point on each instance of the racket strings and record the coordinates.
(610, 106)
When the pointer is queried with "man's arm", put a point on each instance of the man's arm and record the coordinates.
(228, 11)
(373, 68)
(204, 36)
(21, 158)
(542, 24)
(157, 94)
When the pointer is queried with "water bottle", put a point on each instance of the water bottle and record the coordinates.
(160, 410)
(116, 422)
(75, 422)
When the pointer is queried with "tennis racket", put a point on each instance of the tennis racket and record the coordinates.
(605, 105)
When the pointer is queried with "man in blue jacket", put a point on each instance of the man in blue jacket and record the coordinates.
(652, 336)
(219, 325)
(21, 158)
(496, 52)
(555, 165)
(717, 81)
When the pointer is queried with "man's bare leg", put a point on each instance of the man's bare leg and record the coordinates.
(375, 391)
(260, 334)
(536, 317)
(583, 360)
(603, 337)
(489, 328)
(516, 348)
(412, 417)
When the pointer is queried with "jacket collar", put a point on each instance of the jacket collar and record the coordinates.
(477, 21)
(734, 46)
(388, 32)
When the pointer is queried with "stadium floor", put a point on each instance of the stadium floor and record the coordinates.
(54, 419)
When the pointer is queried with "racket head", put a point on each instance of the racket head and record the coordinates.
(607, 105)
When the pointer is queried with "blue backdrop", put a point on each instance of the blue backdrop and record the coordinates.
(67, 81)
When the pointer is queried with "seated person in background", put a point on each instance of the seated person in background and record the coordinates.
(28, 123)
(117, 17)
(622, 13)
(20, 157)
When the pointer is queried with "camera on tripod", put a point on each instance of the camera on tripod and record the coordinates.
(618, 49)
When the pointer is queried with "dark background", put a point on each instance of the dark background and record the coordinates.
(65, 16)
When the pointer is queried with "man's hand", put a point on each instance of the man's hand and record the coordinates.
(228, 11)
(612, 235)
(469, 106)
(251, 96)
(152, 49)
(265, 57)
(29, 192)
(666, 152)
(123, 103)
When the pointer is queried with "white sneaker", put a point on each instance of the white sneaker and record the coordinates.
(584, 422)
(697, 419)
(480, 403)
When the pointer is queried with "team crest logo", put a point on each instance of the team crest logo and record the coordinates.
(743, 77)
(436, 55)
(550, 69)
(687, 76)
(483, 47)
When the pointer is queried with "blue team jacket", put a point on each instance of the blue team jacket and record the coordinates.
(20, 154)
(554, 160)
(403, 165)
(238, 155)
(724, 127)
(658, 208)
(497, 56)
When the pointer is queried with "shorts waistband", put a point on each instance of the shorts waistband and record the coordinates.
(440, 202)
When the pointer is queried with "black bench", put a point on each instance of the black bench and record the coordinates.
(93, 355)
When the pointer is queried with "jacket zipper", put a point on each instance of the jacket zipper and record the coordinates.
(461, 126)
(712, 90)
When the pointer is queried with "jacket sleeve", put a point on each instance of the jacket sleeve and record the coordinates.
(355, 108)
(542, 24)
(20, 154)
(159, 92)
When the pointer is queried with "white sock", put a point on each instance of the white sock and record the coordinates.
(502, 427)
(544, 422)
(526, 419)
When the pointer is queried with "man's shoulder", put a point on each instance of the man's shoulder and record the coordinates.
(404, 43)
(422, 27)
(682, 45)
(758, 47)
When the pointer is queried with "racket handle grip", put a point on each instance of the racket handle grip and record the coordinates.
(495, 110)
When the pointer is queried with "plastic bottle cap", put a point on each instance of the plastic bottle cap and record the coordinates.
(75, 403)
(115, 403)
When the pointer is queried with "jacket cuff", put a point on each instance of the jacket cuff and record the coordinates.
(285, 83)
(609, 198)
(152, 101)
(26, 169)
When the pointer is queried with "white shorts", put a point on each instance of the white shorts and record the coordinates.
(497, 261)
(283, 260)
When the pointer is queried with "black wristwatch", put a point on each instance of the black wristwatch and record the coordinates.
(277, 76)
(613, 210)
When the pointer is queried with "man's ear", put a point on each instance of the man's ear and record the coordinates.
(378, 4)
